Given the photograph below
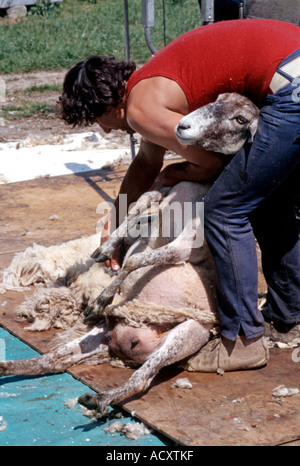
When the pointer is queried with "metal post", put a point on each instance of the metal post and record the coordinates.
(127, 53)
(126, 24)
(207, 11)
(241, 11)
(148, 17)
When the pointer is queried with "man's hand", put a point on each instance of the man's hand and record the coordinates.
(118, 254)
(114, 262)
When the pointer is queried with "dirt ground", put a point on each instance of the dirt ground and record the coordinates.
(45, 127)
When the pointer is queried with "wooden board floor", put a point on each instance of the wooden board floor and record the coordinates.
(234, 409)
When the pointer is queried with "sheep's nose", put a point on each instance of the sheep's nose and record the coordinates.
(183, 127)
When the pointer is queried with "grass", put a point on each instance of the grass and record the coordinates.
(43, 88)
(26, 109)
(80, 28)
(77, 29)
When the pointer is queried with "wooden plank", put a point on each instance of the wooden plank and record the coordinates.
(27, 208)
(234, 409)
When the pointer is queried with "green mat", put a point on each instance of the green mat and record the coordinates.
(40, 410)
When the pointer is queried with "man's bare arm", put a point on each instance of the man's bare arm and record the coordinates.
(139, 178)
(142, 172)
(155, 106)
(184, 171)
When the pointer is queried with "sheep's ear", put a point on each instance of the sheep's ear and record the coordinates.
(225, 96)
(252, 129)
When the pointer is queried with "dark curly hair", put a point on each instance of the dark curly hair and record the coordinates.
(91, 86)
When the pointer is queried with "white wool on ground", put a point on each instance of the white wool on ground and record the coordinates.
(71, 403)
(46, 264)
(282, 391)
(132, 431)
(3, 424)
(61, 307)
(54, 305)
(182, 383)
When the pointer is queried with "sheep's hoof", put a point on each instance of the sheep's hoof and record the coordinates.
(95, 310)
(103, 300)
(88, 401)
(99, 256)
(92, 314)
(95, 403)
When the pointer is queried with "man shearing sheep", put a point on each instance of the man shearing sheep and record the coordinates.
(253, 195)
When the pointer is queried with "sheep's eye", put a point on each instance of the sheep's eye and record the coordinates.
(241, 120)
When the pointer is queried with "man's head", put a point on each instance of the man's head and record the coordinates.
(91, 87)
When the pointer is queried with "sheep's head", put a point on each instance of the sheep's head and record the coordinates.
(222, 126)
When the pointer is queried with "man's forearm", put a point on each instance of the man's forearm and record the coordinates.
(138, 179)
(186, 171)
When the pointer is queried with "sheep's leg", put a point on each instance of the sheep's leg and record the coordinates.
(104, 252)
(186, 247)
(94, 311)
(180, 342)
(176, 252)
(173, 253)
(60, 359)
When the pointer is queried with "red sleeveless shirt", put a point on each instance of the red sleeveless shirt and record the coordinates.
(231, 56)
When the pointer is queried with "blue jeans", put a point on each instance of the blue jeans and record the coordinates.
(254, 197)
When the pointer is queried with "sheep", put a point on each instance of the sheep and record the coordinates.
(145, 323)
(222, 126)
(62, 270)
(166, 309)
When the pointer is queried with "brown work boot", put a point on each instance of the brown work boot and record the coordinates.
(285, 333)
(222, 355)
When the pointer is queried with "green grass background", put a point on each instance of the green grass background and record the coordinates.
(79, 28)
